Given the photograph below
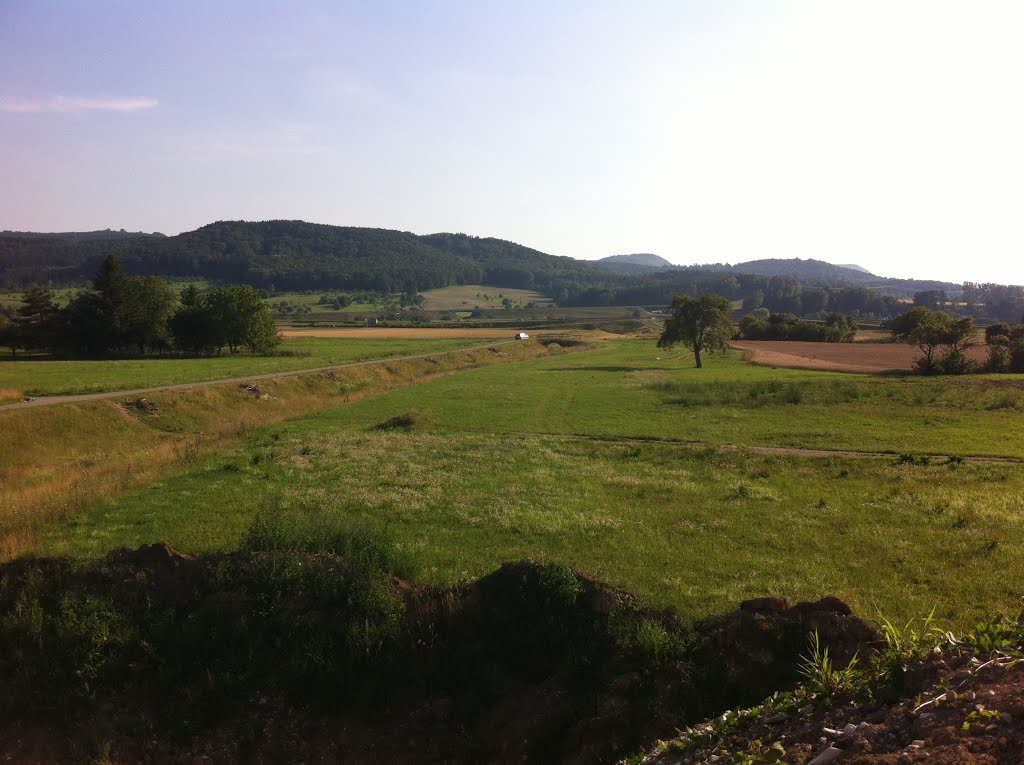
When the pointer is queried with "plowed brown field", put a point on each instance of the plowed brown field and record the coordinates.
(871, 358)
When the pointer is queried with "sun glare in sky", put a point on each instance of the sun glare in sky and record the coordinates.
(886, 134)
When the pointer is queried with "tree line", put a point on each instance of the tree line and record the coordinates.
(836, 328)
(121, 314)
(705, 324)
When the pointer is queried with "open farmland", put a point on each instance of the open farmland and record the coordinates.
(866, 357)
(469, 296)
(434, 333)
(28, 377)
(629, 463)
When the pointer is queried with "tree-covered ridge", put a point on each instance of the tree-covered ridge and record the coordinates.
(282, 255)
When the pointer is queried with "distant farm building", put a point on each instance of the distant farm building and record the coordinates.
(371, 322)
(522, 336)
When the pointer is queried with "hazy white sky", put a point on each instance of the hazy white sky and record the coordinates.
(888, 134)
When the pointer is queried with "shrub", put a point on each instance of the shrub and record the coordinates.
(955, 362)
(998, 360)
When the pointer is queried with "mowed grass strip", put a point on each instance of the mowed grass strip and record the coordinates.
(56, 377)
(631, 389)
(698, 529)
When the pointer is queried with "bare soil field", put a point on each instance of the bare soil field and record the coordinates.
(871, 358)
(438, 332)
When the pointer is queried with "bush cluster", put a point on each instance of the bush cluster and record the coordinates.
(836, 328)
(1005, 347)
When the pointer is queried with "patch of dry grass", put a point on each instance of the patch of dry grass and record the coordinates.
(57, 461)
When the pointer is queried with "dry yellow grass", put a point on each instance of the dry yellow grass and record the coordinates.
(9, 394)
(58, 461)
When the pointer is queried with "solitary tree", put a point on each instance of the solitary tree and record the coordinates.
(702, 324)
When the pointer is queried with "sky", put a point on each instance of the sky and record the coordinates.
(885, 133)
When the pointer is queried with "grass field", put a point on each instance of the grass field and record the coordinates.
(548, 460)
(49, 378)
(469, 296)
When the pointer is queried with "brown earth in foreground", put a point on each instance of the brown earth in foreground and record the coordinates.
(869, 358)
(430, 333)
(981, 723)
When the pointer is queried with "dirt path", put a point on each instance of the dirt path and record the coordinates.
(52, 400)
(782, 451)
(433, 333)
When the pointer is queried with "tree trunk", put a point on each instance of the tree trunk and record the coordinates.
(696, 356)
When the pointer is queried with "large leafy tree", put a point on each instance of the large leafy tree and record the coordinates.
(929, 331)
(144, 311)
(702, 324)
(240, 318)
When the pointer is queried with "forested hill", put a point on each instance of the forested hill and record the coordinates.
(637, 262)
(293, 255)
(105, 235)
(285, 255)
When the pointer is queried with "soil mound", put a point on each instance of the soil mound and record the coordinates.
(151, 655)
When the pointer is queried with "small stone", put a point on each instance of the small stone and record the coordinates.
(918, 742)
(849, 729)
(926, 716)
(829, 755)
(779, 718)
(950, 697)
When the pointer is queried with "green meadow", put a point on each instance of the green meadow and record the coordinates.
(56, 377)
(630, 464)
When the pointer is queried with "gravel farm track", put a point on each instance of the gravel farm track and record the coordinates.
(435, 333)
(866, 358)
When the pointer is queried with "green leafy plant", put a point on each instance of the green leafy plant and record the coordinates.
(979, 715)
(759, 753)
(822, 675)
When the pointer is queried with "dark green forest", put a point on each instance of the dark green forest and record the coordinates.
(120, 314)
(281, 255)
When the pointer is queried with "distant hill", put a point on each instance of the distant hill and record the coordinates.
(854, 267)
(105, 235)
(293, 255)
(285, 255)
(802, 269)
(637, 261)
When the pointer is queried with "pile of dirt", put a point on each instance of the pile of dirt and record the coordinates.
(255, 390)
(151, 655)
(957, 709)
(141, 405)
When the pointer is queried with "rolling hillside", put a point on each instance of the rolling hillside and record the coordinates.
(282, 255)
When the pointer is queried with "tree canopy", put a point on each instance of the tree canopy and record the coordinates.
(930, 330)
(702, 324)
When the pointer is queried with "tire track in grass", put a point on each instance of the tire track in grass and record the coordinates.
(781, 451)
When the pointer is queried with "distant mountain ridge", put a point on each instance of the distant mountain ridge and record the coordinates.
(635, 259)
(104, 235)
(286, 255)
(802, 269)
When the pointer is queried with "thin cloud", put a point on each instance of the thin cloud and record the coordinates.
(64, 104)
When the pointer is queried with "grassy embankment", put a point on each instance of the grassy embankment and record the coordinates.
(57, 461)
(55, 377)
(554, 460)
